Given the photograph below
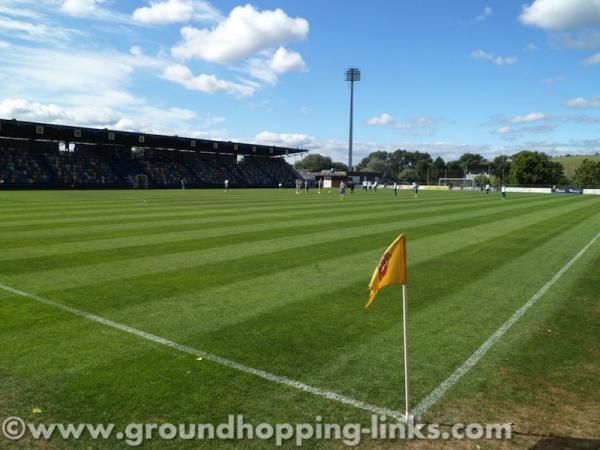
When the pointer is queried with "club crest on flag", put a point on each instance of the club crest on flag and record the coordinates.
(383, 265)
(391, 268)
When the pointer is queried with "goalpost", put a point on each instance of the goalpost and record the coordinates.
(460, 184)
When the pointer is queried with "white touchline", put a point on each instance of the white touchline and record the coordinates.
(439, 391)
(215, 358)
(420, 409)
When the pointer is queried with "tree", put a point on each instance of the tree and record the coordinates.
(377, 165)
(380, 155)
(587, 174)
(471, 159)
(501, 166)
(315, 162)
(340, 166)
(422, 167)
(407, 174)
(439, 164)
(534, 168)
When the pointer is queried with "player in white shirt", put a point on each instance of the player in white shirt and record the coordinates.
(226, 185)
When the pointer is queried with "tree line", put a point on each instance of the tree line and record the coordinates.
(525, 168)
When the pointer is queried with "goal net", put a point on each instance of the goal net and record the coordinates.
(458, 184)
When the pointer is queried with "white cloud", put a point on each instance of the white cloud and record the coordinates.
(415, 125)
(38, 32)
(284, 139)
(284, 60)
(4, 44)
(487, 12)
(561, 14)
(504, 130)
(581, 102)
(531, 47)
(244, 32)
(35, 111)
(498, 60)
(173, 11)
(594, 59)
(208, 84)
(38, 73)
(412, 125)
(384, 119)
(137, 116)
(269, 69)
(136, 51)
(540, 123)
(531, 117)
(92, 9)
(80, 8)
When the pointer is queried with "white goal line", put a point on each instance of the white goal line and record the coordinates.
(330, 395)
(420, 409)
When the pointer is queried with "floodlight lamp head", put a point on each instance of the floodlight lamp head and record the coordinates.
(353, 74)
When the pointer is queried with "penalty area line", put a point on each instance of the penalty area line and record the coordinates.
(329, 395)
(439, 391)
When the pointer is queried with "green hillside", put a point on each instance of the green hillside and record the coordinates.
(571, 163)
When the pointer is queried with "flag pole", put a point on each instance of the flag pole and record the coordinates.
(405, 330)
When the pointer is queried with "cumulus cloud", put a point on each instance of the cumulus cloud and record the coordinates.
(561, 14)
(173, 11)
(208, 84)
(581, 102)
(498, 60)
(284, 60)
(281, 61)
(35, 111)
(4, 44)
(134, 116)
(284, 139)
(383, 119)
(244, 32)
(80, 8)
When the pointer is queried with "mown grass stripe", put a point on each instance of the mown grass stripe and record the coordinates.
(130, 216)
(329, 395)
(463, 369)
(103, 272)
(173, 241)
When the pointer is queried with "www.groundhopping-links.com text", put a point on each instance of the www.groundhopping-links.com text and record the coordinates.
(237, 429)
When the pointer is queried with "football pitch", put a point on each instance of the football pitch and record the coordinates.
(108, 300)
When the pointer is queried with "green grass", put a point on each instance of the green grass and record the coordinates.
(277, 281)
(571, 163)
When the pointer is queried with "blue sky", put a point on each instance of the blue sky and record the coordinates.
(444, 77)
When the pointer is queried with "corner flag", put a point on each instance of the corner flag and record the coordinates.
(391, 268)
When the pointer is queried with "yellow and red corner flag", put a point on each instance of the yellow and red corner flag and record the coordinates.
(391, 268)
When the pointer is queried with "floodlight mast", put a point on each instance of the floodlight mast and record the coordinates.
(352, 75)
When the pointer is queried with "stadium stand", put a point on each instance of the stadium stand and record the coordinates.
(27, 161)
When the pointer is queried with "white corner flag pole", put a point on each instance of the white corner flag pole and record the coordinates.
(405, 330)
